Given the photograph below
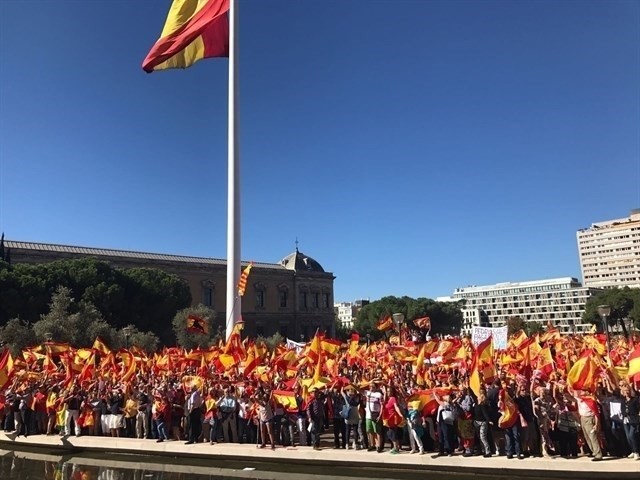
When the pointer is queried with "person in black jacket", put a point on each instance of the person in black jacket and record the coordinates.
(482, 420)
(630, 410)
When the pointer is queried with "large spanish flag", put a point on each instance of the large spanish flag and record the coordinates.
(582, 375)
(634, 364)
(194, 29)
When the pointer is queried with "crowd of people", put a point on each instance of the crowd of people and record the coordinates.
(380, 397)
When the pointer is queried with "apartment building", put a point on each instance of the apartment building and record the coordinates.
(346, 312)
(610, 253)
(560, 301)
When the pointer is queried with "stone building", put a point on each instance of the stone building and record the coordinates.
(293, 297)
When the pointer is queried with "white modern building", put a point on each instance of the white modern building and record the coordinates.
(348, 311)
(560, 301)
(610, 253)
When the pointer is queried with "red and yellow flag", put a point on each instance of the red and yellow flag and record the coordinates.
(634, 364)
(286, 399)
(196, 324)
(242, 283)
(194, 29)
(100, 346)
(582, 375)
(423, 322)
(385, 324)
(6, 368)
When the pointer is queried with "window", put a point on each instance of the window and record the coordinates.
(284, 331)
(283, 299)
(207, 296)
(259, 298)
(314, 300)
(325, 300)
(208, 287)
(303, 299)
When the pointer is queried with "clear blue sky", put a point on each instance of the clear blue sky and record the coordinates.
(411, 146)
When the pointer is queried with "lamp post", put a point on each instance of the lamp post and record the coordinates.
(398, 318)
(127, 333)
(605, 311)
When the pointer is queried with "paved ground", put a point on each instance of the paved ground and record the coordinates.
(326, 462)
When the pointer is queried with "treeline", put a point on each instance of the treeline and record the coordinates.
(446, 317)
(146, 298)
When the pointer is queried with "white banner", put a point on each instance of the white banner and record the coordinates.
(499, 336)
(297, 345)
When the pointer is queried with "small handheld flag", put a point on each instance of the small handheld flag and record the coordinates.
(385, 324)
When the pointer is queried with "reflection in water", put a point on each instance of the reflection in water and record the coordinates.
(23, 468)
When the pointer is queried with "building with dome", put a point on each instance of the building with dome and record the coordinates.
(293, 297)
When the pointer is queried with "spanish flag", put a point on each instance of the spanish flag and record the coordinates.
(194, 29)
(196, 324)
(634, 364)
(423, 322)
(6, 368)
(582, 375)
(385, 324)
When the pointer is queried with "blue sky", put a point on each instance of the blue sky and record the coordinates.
(411, 146)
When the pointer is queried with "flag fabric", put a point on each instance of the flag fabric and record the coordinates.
(196, 324)
(242, 283)
(99, 346)
(286, 399)
(423, 322)
(634, 364)
(193, 30)
(582, 375)
(385, 324)
(6, 368)
(508, 410)
(330, 346)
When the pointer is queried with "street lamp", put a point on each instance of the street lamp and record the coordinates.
(127, 333)
(398, 318)
(605, 311)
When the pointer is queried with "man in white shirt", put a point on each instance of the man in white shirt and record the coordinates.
(373, 409)
(194, 410)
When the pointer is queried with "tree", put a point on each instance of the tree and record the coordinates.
(446, 317)
(514, 325)
(192, 340)
(153, 297)
(531, 328)
(146, 297)
(17, 334)
(624, 303)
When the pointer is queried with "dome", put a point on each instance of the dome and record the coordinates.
(300, 262)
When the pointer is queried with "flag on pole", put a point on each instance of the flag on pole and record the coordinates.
(242, 283)
(424, 323)
(385, 324)
(196, 324)
(194, 29)
(634, 364)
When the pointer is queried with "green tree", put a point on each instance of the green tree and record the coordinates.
(146, 297)
(192, 340)
(624, 303)
(514, 325)
(446, 317)
(17, 334)
(531, 328)
(153, 298)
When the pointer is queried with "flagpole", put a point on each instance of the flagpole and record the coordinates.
(233, 182)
